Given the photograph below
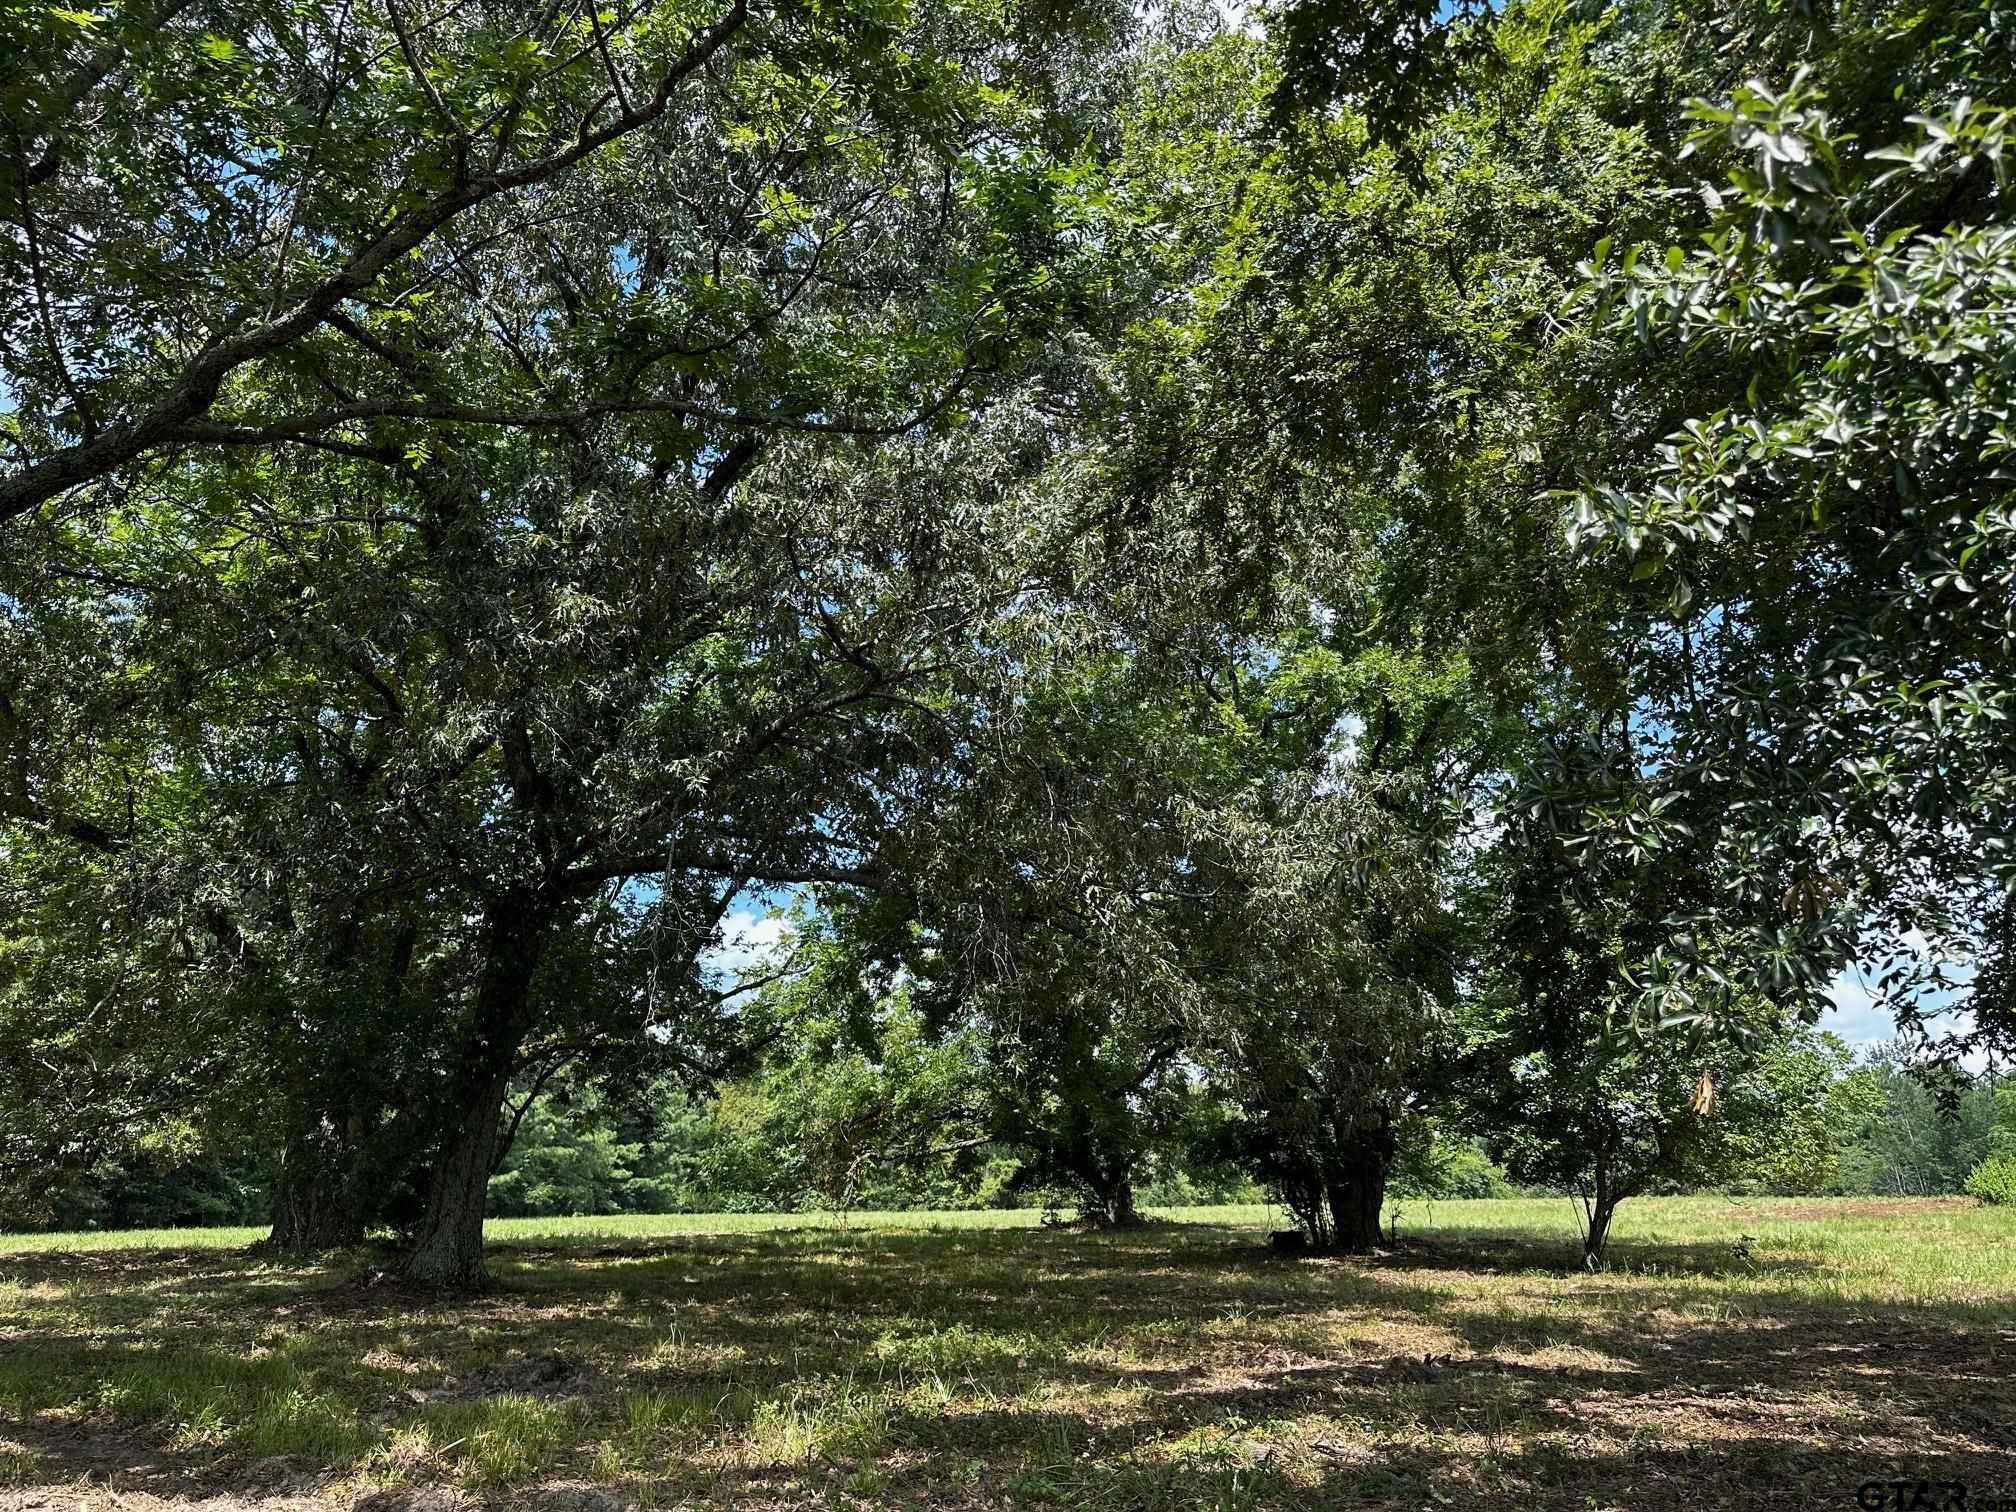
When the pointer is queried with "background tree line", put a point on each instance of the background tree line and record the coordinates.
(756, 1145)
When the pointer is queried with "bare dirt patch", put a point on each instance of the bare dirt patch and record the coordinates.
(1812, 1210)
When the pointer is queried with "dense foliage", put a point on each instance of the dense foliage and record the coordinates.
(1302, 604)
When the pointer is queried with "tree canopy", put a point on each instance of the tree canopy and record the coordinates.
(1255, 590)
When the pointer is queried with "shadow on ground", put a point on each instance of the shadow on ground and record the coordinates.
(1175, 1367)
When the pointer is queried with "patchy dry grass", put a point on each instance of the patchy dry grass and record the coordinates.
(1749, 1353)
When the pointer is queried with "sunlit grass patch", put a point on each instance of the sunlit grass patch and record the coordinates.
(29, 1386)
(499, 1440)
(406, 1450)
(186, 1388)
(676, 1352)
(666, 1433)
(1217, 1468)
(260, 1403)
(312, 1425)
(19, 1296)
(20, 1467)
(845, 1423)
(133, 1239)
(960, 1346)
(649, 1412)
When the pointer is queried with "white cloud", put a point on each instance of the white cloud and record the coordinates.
(1860, 1020)
(1856, 1018)
(749, 941)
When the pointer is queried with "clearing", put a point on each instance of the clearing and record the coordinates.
(1753, 1352)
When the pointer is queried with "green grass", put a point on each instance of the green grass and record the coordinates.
(625, 1226)
(1738, 1353)
(131, 1239)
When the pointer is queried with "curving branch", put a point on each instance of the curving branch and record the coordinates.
(313, 424)
(95, 71)
(163, 420)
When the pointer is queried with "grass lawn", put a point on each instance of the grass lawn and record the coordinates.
(1748, 1353)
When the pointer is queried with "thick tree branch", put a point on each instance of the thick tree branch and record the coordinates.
(302, 427)
(192, 394)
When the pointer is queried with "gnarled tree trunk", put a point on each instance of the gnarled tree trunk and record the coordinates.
(1120, 1203)
(1355, 1188)
(1112, 1202)
(315, 1202)
(1355, 1199)
(448, 1243)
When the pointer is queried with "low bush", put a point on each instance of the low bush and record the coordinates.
(1994, 1180)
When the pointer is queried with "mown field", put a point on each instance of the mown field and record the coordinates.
(1748, 1353)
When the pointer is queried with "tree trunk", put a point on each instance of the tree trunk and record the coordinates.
(1302, 1193)
(1112, 1204)
(1602, 1208)
(448, 1243)
(1120, 1203)
(1356, 1187)
(1599, 1233)
(1354, 1212)
(315, 1207)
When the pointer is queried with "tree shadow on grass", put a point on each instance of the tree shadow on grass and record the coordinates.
(1391, 1433)
(1712, 1414)
(1158, 1369)
(1522, 1251)
(1755, 1473)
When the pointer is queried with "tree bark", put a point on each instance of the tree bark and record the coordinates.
(1120, 1203)
(315, 1206)
(1112, 1206)
(1602, 1208)
(1598, 1237)
(1356, 1187)
(448, 1243)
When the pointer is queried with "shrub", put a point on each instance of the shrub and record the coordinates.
(1470, 1174)
(1994, 1180)
(1436, 1164)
